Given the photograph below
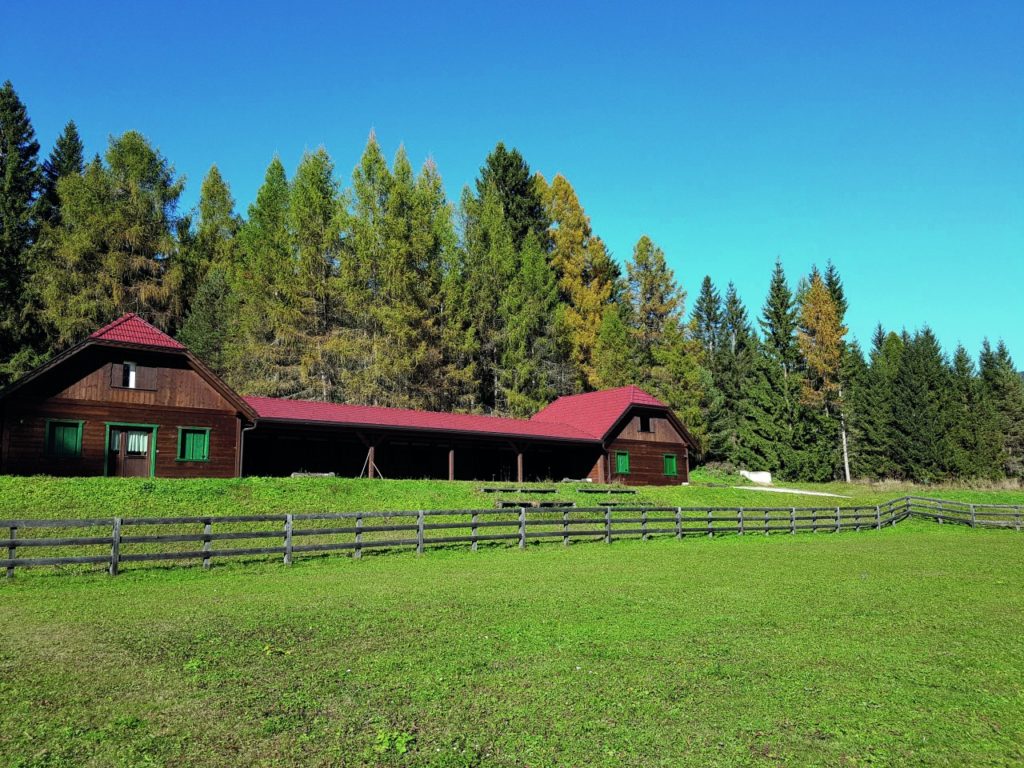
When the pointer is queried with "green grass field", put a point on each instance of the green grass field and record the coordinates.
(895, 647)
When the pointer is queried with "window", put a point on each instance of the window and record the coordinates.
(645, 423)
(622, 463)
(129, 373)
(64, 439)
(193, 443)
(671, 470)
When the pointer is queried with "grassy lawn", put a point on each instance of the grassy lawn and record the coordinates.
(893, 647)
(105, 497)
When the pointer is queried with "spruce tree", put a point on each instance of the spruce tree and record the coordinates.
(835, 288)
(521, 200)
(974, 442)
(733, 362)
(209, 322)
(779, 322)
(920, 423)
(19, 188)
(66, 159)
(706, 322)
(1003, 387)
(654, 296)
(764, 418)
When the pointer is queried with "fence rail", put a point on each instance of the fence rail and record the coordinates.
(130, 540)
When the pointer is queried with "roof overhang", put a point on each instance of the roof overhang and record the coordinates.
(691, 443)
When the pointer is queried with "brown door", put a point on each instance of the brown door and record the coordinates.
(130, 452)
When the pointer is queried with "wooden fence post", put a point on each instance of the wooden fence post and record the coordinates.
(207, 530)
(607, 525)
(419, 532)
(739, 520)
(357, 553)
(1016, 520)
(679, 522)
(565, 526)
(115, 547)
(941, 510)
(792, 519)
(766, 522)
(643, 525)
(839, 523)
(288, 539)
(472, 530)
(12, 549)
(522, 527)
(974, 517)
(711, 531)
(878, 518)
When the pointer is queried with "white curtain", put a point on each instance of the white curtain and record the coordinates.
(138, 442)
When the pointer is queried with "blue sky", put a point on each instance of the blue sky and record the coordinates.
(888, 137)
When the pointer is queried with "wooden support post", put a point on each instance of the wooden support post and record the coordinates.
(766, 523)
(12, 549)
(739, 520)
(838, 521)
(878, 518)
(371, 462)
(115, 547)
(419, 532)
(522, 527)
(607, 525)
(1016, 520)
(358, 551)
(643, 525)
(792, 519)
(565, 526)
(472, 530)
(519, 466)
(974, 517)
(679, 522)
(288, 539)
(711, 531)
(207, 530)
(451, 463)
(941, 510)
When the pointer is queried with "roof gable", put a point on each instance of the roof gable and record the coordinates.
(596, 413)
(132, 329)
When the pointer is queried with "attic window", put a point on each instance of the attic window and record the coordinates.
(645, 423)
(128, 375)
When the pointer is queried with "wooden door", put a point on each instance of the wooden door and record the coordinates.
(130, 452)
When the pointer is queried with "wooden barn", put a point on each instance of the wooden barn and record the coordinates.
(131, 401)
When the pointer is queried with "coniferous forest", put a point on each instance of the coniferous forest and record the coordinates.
(382, 291)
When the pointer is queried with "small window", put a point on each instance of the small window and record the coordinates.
(645, 423)
(129, 375)
(671, 469)
(193, 444)
(622, 463)
(64, 439)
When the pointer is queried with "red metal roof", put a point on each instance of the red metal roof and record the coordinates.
(595, 413)
(132, 329)
(370, 416)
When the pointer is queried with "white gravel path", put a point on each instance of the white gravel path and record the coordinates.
(796, 491)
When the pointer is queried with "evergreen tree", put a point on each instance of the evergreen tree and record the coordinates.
(835, 289)
(779, 322)
(679, 377)
(857, 405)
(733, 362)
(655, 299)
(617, 358)
(706, 323)
(919, 424)
(521, 200)
(974, 442)
(208, 325)
(19, 188)
(1003, 387)
(66, 159)
(764, 417)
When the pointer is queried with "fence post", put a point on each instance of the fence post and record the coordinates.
(472, 529)
(419, 532)
(739, 519)
(878, 517)
(288, 539)
(679, 522)
(974, 517)
(12, 549)
(941, 510)
(357, 553)
(565, 526)
(607, 525)
(115, 547)
(522, 527)
(207, 530)
(711, 532)
(766, 522)
(792, 519)
(839, 523)
(1016, 520)
(643, 525)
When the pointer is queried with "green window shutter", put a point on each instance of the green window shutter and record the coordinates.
(64, 439)
(194, 444)
(670, 465)
(622, 463)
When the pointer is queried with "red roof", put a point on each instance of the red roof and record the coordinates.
(132, 329)
(370, 416)
(595, 413)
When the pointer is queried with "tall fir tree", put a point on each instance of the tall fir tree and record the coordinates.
(974, 446)
(919, 422)
(19, 189)
(1004, 389)
(521, 199)
(733, 362)
(779, 322)
(706, 322)
(66, 159)
(654, 296)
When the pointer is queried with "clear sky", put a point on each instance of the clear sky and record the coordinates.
(886, 136)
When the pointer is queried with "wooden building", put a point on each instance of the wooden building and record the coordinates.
(132, 401)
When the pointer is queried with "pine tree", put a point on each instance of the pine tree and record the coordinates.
(764, 418)
(587, 275)
(19, 188)
(835, 288)
(706, 323)
(974, 443)
(528, 343)
(779, 322)
(919, 410)
(857, 405)
(655, 299)
(66, 159)
(1003, 387)
(208, 325)
(521, 200)
(733, 362)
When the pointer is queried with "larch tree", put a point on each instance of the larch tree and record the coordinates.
(654, 296)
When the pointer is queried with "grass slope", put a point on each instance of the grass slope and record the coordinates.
(104, 497)
(893, 647)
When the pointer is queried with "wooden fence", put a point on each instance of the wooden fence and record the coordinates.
(115, 541)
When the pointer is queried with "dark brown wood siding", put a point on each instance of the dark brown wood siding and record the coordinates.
(24, 437)
(647, 463)
(662, 431)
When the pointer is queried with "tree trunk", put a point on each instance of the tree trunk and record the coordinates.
(846, 449)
